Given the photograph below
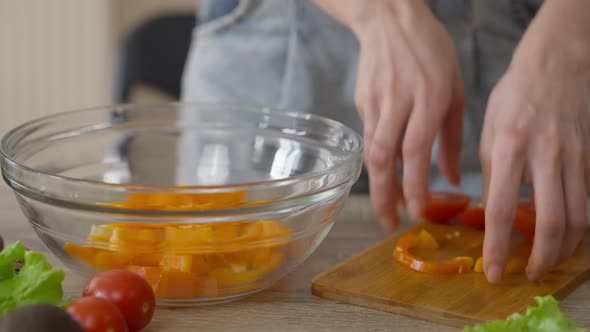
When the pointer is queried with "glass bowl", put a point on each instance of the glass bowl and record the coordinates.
(208, 202)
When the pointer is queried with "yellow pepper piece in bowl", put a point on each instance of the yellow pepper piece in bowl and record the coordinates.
(182, 260)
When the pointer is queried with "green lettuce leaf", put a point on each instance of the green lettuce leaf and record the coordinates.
(37, 281)
(545, 317)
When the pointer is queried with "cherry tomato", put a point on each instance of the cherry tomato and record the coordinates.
(443, 206)
(473, 217)
(524, 221)
(97, 315)
(129, 292)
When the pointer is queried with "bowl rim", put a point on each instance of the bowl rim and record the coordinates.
(352, 155)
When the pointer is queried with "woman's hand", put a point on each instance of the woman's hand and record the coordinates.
(409, 90)
(537, 130)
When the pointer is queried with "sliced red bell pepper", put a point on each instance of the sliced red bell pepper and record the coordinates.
(524, 221)
(444, 206)
(474, 217)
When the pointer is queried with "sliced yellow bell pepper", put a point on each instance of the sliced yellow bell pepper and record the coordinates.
(182, 263)
(427, 240)
(411, 240)
(184, 260)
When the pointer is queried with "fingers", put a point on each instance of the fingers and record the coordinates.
(385, 206)
(485, 153)
(549, 202)
(384, 188)
(575, 197)
(423, 125)
(486, 171)
(507, 166)
(451, 138)
(383, 153)
(370, 119)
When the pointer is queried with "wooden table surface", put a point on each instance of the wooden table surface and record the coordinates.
(289, 305)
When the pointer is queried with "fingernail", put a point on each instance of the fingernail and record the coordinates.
(415, 209)
(494, 273)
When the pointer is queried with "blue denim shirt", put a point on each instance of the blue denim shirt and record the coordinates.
(290, 54)
(213, 9)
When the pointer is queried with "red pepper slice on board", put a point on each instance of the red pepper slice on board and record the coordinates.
(443, 206)
(524, 221)
(474, 217)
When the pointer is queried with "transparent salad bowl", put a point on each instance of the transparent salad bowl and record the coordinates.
(208, 202)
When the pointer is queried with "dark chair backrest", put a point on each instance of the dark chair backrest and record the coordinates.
(154, 53)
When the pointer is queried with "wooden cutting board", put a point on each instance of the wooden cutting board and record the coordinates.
(374, 279)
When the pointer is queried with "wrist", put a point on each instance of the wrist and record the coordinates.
(558, 36)
(550, 60)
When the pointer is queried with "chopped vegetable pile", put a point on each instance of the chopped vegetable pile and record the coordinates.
(36, 281)
(182, 260)
(546, 317)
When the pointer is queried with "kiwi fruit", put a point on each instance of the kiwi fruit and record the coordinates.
(40, 317)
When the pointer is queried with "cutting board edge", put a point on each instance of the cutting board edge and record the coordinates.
(326, 290)
(427, 315)
(565, 291)
(431, 315)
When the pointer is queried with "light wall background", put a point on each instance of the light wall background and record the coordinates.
(58, 55)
